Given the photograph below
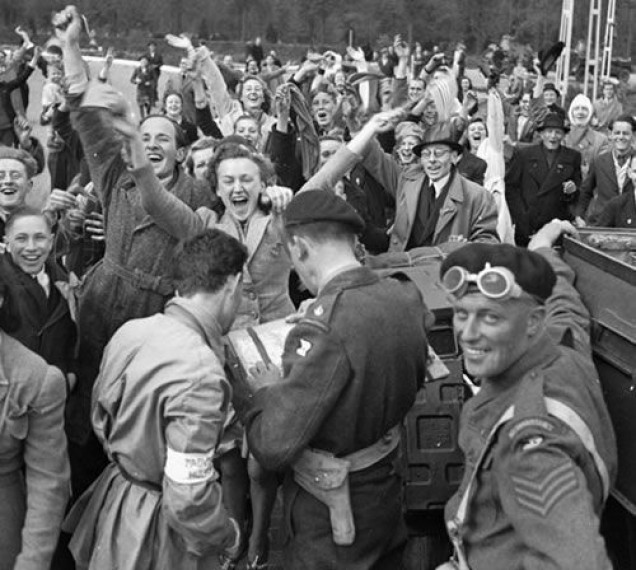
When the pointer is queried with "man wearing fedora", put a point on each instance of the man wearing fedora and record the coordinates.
(434, 202)
(543, 180)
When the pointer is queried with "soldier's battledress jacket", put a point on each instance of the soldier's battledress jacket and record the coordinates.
(537, 497)
(351, 370)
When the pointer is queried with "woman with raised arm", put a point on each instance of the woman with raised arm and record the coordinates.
(240, 176)
(254, 97)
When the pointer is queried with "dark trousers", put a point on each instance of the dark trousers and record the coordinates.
(7, 137)
(376, 500)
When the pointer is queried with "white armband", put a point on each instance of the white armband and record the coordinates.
(189, 468)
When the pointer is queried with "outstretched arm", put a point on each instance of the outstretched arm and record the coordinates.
(168, 212)
(566, 314)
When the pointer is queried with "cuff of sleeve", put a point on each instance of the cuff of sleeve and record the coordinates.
(237, 534)
(77, 83)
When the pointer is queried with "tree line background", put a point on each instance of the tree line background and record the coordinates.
(317, 22)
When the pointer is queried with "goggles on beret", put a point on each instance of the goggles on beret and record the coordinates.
(497, 283)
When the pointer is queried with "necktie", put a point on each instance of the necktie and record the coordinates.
(44, 281)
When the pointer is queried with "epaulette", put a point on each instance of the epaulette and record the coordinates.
(320, 313)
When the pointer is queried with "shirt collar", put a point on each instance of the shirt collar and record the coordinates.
(199, 317)
(615, 158)
(347, 278)
(440, 184)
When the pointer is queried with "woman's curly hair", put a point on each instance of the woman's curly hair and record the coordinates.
(240, 148)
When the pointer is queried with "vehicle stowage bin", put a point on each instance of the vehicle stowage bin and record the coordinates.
(606, 281)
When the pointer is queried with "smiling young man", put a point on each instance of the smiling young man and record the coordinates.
(40, 288)
(133, 281)
(17, 169)
(608, 174)
(538, 441)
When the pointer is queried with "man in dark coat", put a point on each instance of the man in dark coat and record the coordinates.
(40, 288)
(472, 167)
(351, 369)
(155, 61)
(620, 211)
(542, 180)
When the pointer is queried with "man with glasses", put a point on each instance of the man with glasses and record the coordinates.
(538, 441)
(434, 203)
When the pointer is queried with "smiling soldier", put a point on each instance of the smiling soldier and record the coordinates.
(538, 441)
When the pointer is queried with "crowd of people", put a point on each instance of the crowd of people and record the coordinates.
(228, 201)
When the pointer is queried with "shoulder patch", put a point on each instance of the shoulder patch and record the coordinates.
(540, 424)
(541, 494)
(304, 347)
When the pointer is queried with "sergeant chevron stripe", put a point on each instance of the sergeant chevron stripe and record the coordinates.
(540, 496)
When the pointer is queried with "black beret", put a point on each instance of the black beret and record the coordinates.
(314, 206)
(532, 271)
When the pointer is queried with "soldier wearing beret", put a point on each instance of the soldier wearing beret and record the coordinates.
(351, 369)
(539, 446)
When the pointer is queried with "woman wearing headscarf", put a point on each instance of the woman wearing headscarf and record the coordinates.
(582, 137)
